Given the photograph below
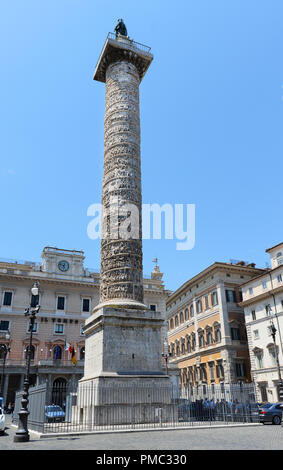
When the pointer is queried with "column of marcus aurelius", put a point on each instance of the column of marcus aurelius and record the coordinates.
(121, 245)
(122, 336)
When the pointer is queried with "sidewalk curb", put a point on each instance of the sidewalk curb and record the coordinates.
(123, 431)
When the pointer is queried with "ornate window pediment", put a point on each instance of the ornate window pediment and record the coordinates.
(257, 350)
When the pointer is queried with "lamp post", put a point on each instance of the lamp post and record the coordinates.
(22, 434)
(273, 333)
(4, 350)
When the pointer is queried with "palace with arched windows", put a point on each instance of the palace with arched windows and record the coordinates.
(67, 294)
(206, 327)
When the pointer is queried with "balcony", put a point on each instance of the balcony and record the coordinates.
(58, 363)
(42, 363)
(118, 46)
(134, 44)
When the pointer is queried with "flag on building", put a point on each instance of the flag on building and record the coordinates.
(67, 346)
(73, 355)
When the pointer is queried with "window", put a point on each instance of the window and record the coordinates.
(188, 344)
(86, 305)
(230, 296)
(201, 340)
(253, 315)
(59, 328)
(214, 298)
(264, 285)
(206, 302)
(57, 353)
(171, 323)
(272, 356)
(209, 337)
(251, 291)
(217, 335)
(7, 299)
(60, 303)
(181, 317)
(211, 370)
(220, 370)
(177, 348)
(186, 314)
(4, 325)
(235, 334)
(176, 320)
(199, 306)
(279, 258)
(34, 329)
(192, 310)
(279, 278)
(256, 334)
(152, 307)
(259, 360)
(263, 392)
(240, 369)
(203, 375)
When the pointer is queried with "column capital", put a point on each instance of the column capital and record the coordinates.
(119, 48)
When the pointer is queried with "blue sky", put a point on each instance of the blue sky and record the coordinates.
(211, 125)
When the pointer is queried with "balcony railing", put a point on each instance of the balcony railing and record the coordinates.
(58, 363)
(135, 44)
(18, 261)
(41, 363)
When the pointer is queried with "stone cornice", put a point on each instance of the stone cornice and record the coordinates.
(207, 352)
(257, 298)
(217, 266)
(17, 277)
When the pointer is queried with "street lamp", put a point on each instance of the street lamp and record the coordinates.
(4, 350)
(273, 333)
(22, 434)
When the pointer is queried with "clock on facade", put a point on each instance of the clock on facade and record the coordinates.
(63, 266)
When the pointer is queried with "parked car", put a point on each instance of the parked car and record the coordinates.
(54, 413)
(2, 421)
(245, 412)
(270, 413)
(252, 412)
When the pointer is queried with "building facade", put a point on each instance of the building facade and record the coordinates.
(206, 326)
(68, 293)
(263, 306)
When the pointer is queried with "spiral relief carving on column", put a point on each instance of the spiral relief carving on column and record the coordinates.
(121, 259)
